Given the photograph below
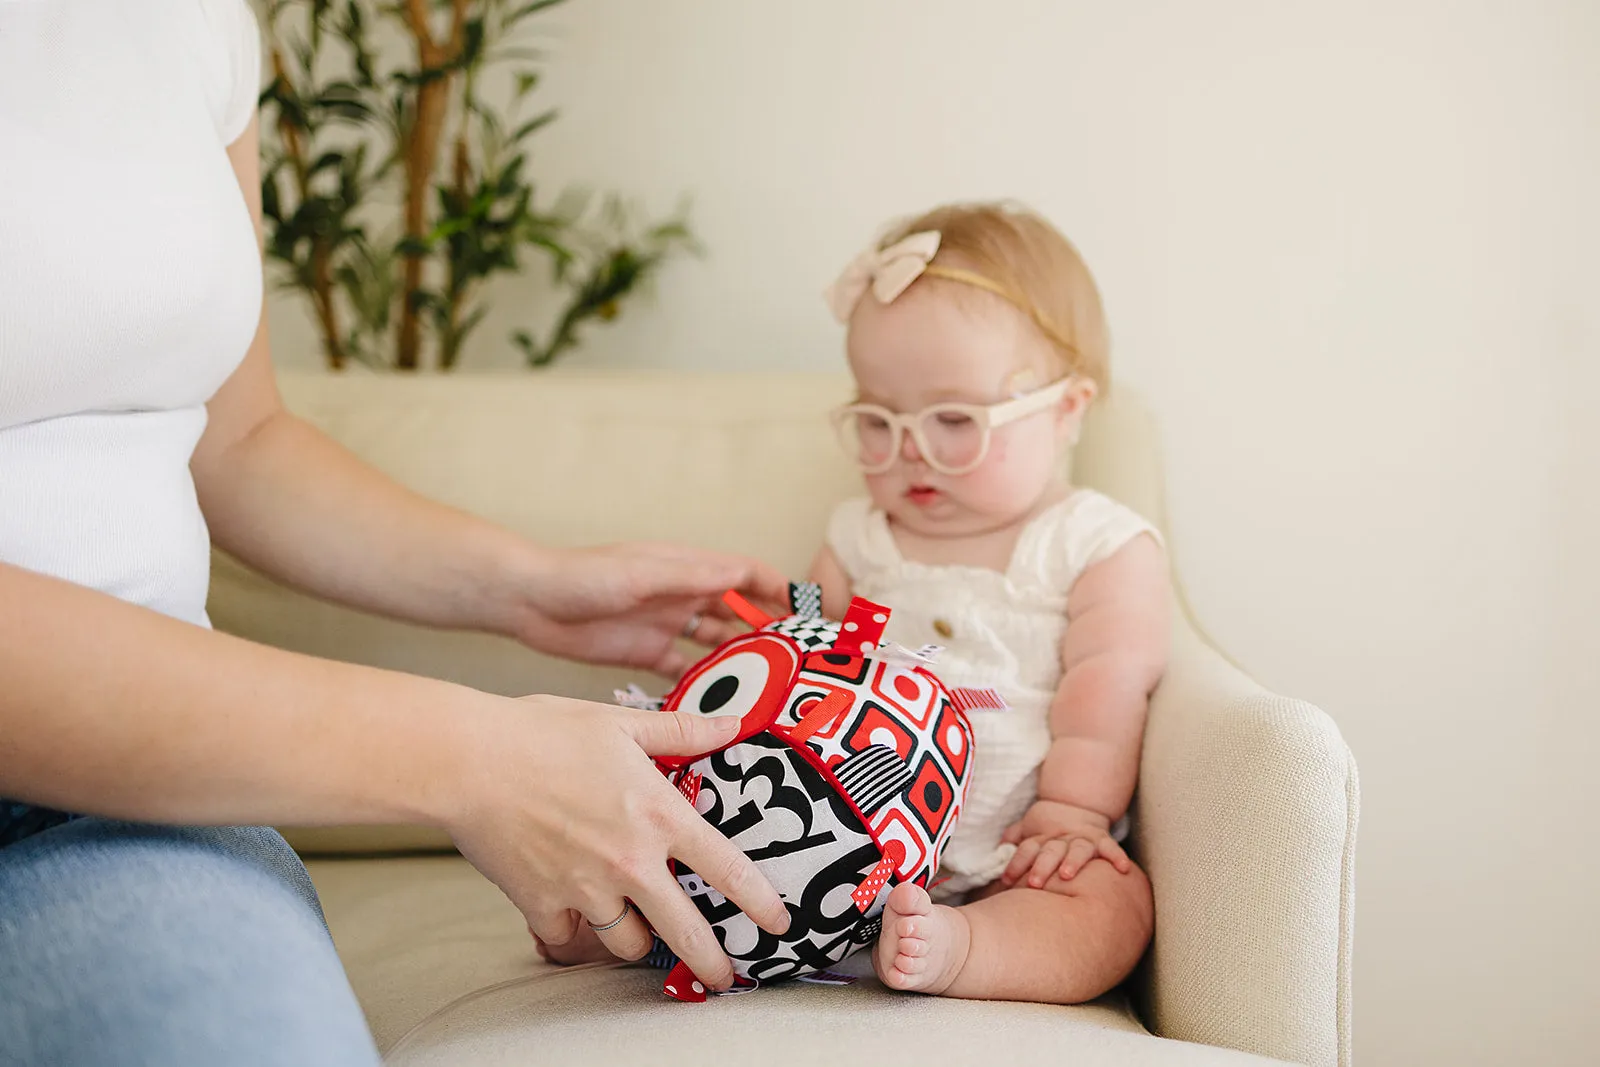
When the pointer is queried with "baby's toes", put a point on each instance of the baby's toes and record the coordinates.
(911, 948)
(895, 978)
(906, 963)
(908, 899)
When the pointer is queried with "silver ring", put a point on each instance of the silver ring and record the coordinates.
(627, 909)
(692, 625)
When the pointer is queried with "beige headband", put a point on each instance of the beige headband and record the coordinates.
(888, 272)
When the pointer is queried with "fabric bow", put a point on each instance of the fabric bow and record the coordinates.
(887, 271)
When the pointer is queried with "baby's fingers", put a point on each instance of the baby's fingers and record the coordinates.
(1081, 851)
(1112, 851)
(1027, 852)
(1050, 857)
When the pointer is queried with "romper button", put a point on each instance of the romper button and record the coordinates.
(942, 628)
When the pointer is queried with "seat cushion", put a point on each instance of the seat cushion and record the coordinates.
(447, 974)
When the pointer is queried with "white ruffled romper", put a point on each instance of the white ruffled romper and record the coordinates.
(1001, 630)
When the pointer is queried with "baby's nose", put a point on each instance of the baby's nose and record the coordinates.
(908, 448)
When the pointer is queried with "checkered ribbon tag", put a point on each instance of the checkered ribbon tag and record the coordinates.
(811, 632)
(805, 598)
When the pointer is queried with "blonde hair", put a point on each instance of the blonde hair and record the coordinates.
(1013, 252)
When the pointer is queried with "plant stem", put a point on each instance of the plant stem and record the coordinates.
(322, 298)
(421, 155)
(455, 291)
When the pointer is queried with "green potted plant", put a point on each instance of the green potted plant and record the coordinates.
(393, 191)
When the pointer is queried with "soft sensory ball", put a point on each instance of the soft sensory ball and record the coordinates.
(846, 778)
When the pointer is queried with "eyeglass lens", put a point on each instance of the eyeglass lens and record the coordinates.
(950, 438)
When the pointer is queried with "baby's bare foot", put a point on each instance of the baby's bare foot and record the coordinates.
(585, 947)
(923, 945)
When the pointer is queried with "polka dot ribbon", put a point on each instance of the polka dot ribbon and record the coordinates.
(894, 854)
(862, 629)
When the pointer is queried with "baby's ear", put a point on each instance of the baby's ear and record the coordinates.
(1075, 403)
(1080, 394)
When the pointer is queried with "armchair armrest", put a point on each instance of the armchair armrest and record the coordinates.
(1245, 820)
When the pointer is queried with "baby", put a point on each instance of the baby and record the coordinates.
(977, 341)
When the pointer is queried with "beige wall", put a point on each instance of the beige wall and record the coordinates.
(1350, 252)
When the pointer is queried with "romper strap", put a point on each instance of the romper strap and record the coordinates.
(1084, 529)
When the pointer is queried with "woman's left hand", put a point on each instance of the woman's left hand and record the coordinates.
(629, 604)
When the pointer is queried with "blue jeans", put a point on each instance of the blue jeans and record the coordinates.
(129, 944)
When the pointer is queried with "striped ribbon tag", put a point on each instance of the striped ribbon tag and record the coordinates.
(968, 698)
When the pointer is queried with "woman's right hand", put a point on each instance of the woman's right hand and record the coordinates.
(561, 806)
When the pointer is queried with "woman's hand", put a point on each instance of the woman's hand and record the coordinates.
(628, 604)
(1059, 839)
(565, 812)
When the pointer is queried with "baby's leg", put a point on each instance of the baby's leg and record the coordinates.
(1063, 944)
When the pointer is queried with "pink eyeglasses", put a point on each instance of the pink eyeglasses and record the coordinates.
(953, 438)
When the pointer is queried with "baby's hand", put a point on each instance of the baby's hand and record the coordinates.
(1056, 838)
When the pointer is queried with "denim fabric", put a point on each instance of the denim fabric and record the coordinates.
(131, 944)
(24, 820)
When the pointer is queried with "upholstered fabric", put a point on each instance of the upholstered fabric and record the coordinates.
(448, 976)
(1246, 810)
(1245, 820)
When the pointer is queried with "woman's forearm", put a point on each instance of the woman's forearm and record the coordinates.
(116, 710)
(291, 502)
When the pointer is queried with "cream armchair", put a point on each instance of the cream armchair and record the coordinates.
(1246, 811)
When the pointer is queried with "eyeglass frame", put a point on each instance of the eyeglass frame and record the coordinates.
(989, 417)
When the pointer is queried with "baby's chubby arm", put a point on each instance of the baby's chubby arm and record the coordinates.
(1114, 653)
(826, 572)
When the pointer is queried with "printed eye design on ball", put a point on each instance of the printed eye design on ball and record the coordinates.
(733, 688)
(748, 681)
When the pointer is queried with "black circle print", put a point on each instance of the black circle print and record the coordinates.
(718, 693)
(933, 796)
(733, 684)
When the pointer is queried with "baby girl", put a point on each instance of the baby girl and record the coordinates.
(977, 341)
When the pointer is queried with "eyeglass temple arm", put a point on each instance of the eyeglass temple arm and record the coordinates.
(1027, 404)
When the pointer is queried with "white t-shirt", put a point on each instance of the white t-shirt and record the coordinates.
(130, 282)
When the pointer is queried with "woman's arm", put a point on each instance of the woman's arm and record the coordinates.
(286, 499)
(113, 709)
(117, 710)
